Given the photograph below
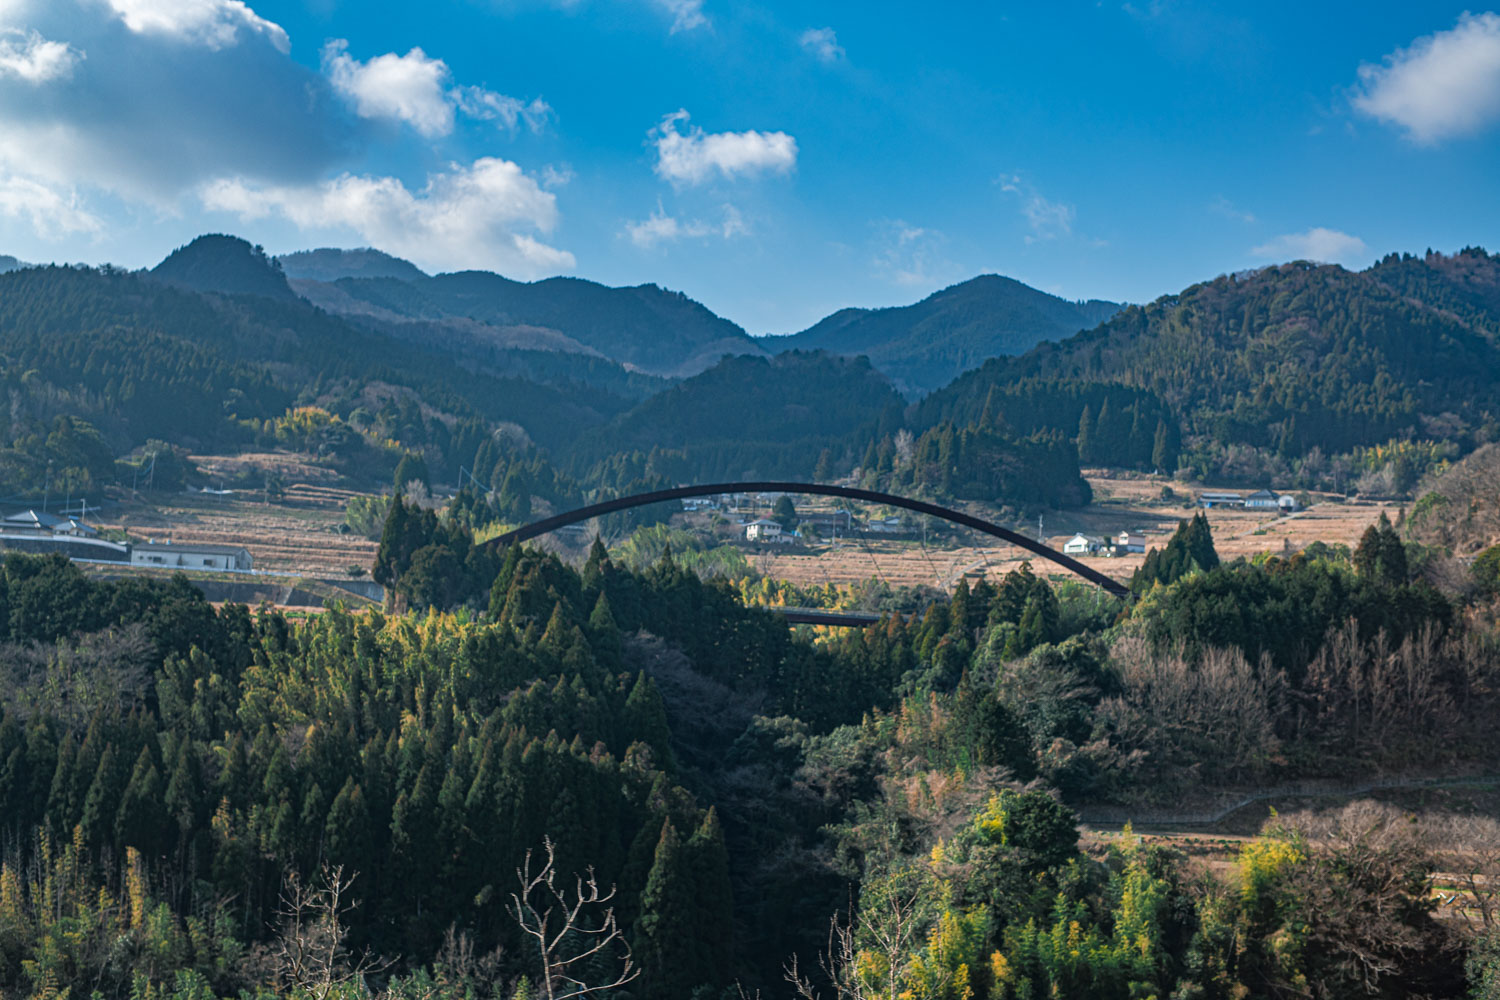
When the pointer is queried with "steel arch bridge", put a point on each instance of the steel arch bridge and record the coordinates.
(547, 524)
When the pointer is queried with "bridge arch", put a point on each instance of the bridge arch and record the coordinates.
(556, 521)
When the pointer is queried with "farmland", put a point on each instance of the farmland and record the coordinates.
(299, 531)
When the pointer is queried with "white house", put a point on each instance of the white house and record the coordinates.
(1130, 541)
(167, 554)
(763, 530)
(885, 525)
(1262, 500)
(1082, 545)
(1288, 503)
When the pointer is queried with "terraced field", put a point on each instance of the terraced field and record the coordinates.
(295, 534)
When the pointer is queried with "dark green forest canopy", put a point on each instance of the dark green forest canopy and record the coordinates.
(1290, 357)
(736, 780)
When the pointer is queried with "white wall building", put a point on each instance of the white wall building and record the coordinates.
(1130, 541)
(763, 530)
(1082, 545)
(1262, 500)
(174, 556)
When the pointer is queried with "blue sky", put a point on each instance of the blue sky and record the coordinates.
(776, 161)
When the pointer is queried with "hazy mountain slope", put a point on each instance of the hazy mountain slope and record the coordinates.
(645, 327)
(1287, 357)
(926, 345)
(331, 264)
(9, 263)
(228, 264)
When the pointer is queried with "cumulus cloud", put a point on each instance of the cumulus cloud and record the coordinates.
(27, 56)
(409, 88)
(686, 14)
(1319, 244)
(146, 117)
(483, 215)
(663, 228)
(823, 44)
(414, 89)
(216, 24)
(1443, 85)
(695, 156)
(1048, 219)
(51, 214)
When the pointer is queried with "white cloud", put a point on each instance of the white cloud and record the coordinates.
(480, 216)
(1223, 206)
(694, 156)
(486, 105)
(150, 114)
(910, 256)
(414, 89)
(214, 23)
(1048, 219)
(686, 14)
(27, 56)
(556, 176)
(49, 213)
(1319, 244)
(1445, 84)
(822, 43)
(409, 88)
(663, 228)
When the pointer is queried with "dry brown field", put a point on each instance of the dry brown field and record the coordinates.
(1120, 504)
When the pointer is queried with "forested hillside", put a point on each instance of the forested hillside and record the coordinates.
(200, 803)
(328, 264)
(1296, 357)
(753, 417)
(925, 346)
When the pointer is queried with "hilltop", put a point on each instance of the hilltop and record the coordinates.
(227, 264)
(926, 345)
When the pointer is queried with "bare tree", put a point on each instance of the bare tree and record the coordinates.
(310, 947)
(569, 929)
(888, 922)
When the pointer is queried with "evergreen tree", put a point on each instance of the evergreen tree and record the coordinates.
(646, 720)
(1163, 460)
(666, 930)
(708, 861)
(411, 468)
(1381, 555)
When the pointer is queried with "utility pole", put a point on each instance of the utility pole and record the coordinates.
(1040, 539)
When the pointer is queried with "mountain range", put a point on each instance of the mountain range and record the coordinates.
(920, 347)
(223, 347)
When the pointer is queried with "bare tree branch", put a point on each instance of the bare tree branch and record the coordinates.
(569, 928)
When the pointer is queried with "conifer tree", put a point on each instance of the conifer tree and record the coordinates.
(666, 929)
(708, 860)
(646, 720)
